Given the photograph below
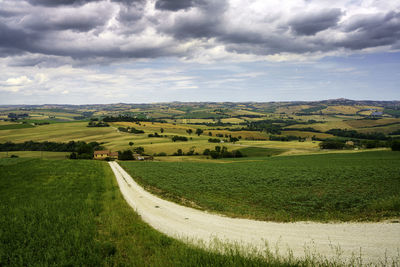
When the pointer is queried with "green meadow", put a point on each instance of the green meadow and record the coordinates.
(71, 213)
(361, 186)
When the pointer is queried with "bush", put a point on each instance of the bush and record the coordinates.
(332, 144)
(179, 138)
(395, 145)
(206, 152)
(85, 156)
(179, 152)
(14, 156)
(214, 140)
(125, 155)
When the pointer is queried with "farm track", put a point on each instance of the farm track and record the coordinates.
(374, 241)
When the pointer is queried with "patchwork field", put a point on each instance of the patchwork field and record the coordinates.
(346, 187)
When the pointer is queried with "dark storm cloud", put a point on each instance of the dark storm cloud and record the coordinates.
(311, 23)
(103, 31)
(15, 39)
(203, 22)
(76, 21)
(54, 3)
(372, 31)
(175, 5)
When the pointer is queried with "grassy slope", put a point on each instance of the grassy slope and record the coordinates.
(35, 154)
(72, 213)
(353, 186)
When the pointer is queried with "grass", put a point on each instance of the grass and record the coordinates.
(35, 154)
(344, 186)
(15, 126)
(260, 151)
(71, 213)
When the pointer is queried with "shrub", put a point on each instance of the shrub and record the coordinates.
(332, 144)
(395, 145)
(214, 140)
(179, 138)
(206, 152)
(125, 155)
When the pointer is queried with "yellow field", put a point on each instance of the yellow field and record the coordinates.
(232, 120)
(307, 134)
(370, 123)
(291, 109)
(245, 112)
(7, 122)
(324, 126)
(341, 109)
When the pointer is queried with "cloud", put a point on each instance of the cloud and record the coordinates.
(312, 22)
(366, 31)
(175, 5)
(55, 3)
(18, 81)
(78, 32)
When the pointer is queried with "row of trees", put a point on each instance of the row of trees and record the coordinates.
(357, 135)
(71, 146)
(130, 130)
(341, 144)
(126, 118)
(222, 152)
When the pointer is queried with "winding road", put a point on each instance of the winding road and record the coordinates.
(374, 241)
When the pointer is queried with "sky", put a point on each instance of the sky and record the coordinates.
(147, 51)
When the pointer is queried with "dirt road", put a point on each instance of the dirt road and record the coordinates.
(373, 240)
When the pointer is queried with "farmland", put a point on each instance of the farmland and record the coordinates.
(346, 187)
(72, 213)
(255, 124)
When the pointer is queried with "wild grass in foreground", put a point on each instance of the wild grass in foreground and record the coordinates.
(356, 186)
(71, 213)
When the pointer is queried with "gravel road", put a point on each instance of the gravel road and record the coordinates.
(375, 241)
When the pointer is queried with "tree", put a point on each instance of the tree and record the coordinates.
(209, 133)
(162, 130)
(332, 144)
(189, 131)
(199, 132)
(131, 143)
(206, 152)
(125, 155)
(395, 146)
(233, 139)
(139, 150)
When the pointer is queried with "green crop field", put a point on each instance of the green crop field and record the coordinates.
(15, 126)
(346, 187)
(71, 213)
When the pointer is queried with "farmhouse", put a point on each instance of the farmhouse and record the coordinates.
(102, 154)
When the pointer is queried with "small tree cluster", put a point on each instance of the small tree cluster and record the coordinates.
(222, 152)
(125, 155)
(179, 138)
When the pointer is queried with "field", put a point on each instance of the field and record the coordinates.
(71, 213)
(14, 126)
(35, 154)
(346, 187)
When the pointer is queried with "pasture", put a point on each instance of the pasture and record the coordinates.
(328, 187)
